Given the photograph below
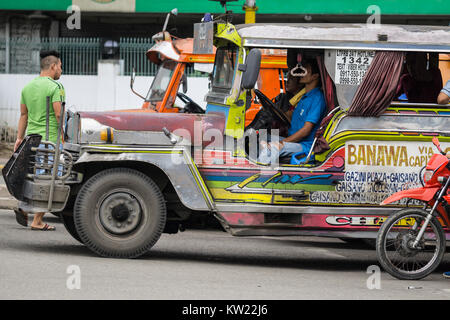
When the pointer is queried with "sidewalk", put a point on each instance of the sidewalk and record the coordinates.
(6, 200)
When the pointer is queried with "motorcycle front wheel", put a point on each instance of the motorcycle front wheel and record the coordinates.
(395, 250)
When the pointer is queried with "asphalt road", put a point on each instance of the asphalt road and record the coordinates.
(197, 264)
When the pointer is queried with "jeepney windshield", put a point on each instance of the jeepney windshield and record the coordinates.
(161, 81)
(224, 66)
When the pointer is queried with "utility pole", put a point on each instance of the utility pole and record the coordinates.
(250, 11)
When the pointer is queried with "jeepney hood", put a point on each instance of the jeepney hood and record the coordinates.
(146, 128)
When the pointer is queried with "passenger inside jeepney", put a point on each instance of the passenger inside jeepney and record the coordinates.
(444, 95)
(305, 118)
(421, 81)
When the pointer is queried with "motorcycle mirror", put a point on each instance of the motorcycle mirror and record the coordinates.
(437, 144)
(435, 141)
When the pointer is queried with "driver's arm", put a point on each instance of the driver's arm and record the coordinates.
(289, 113)
(300, 134)
(443, 98)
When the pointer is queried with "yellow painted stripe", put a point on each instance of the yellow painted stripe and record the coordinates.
(265, 183)
(200, 183)
(248, 180)
(136, 151)
(223, 195)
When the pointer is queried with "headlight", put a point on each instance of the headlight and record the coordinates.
(428, 175)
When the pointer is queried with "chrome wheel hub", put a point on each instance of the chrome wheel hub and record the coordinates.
(120, 213)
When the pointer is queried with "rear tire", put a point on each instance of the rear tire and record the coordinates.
(394, 251)
(120, 213)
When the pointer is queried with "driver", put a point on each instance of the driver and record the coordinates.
(305, 120)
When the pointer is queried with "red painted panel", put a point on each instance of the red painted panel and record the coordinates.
(143, 121)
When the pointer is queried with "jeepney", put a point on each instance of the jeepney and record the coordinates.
(126, 178)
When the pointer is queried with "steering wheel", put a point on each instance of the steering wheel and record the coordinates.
(190, 105)
(269, 105)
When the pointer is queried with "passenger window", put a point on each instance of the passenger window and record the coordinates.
(421, 80)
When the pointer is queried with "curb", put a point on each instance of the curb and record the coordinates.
(6, 200)
(8, 203)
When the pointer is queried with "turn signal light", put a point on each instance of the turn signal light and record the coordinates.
(442, 179)
(107, 135)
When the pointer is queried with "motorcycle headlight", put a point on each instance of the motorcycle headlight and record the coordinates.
(427, 175)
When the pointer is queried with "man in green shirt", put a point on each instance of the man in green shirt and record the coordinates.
(33, 114)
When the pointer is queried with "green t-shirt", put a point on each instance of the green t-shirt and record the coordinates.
(34, 96)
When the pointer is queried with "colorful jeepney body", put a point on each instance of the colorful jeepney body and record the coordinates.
(201, 165)
(369, 158)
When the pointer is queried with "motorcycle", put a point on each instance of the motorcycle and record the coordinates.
(411, 242)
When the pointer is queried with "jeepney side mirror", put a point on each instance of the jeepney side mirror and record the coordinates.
(184, 82)
(251, 69)
(133, 77)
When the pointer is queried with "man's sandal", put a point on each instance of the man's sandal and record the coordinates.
(45, 228)
(21, 217)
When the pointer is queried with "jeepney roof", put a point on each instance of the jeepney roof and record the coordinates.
(346, 36)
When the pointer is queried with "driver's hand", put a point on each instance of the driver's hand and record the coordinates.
(448, 154)
(278, 145)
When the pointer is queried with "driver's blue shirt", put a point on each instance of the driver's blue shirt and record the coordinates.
(311, 108)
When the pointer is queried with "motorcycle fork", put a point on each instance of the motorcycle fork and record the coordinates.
(432, 213)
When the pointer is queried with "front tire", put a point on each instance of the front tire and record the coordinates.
(120, 213)
(394, 245)
(69, 224)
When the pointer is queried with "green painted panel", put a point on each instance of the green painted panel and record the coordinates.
(397, 7)
(355, 6)
(196, 6)
(401, 7)
(53, 5)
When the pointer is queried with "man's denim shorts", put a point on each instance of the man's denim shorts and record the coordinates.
(50, 160)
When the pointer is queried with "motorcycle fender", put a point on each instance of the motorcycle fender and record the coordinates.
(422, 194)
(178, 166)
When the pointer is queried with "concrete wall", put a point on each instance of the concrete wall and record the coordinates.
(89, 93)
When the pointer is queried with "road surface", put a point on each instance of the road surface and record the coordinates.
(199, 264)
